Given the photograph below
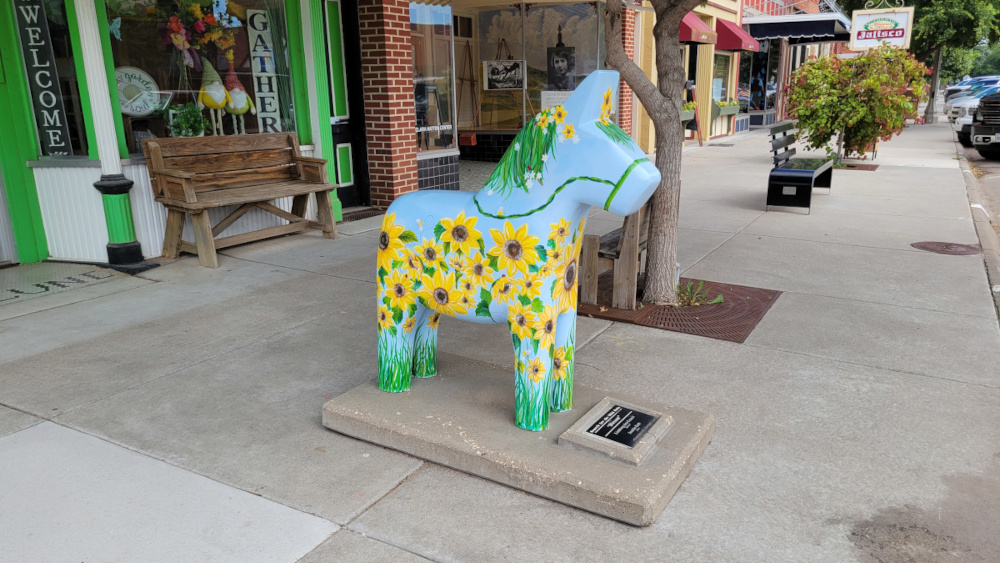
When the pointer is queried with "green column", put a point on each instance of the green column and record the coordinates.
(321, 61)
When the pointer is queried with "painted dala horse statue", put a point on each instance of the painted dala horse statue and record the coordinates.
(509, 253)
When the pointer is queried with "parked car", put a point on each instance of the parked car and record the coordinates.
(960, 115)
(985, 129)
(950, 108)
(968, 84)
(975, 89)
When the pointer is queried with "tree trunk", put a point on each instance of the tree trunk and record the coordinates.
(930, 113)
(663, 107)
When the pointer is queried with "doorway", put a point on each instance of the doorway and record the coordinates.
(343, 43)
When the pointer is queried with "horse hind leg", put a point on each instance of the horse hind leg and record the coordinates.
(395, 352)
(425, 342)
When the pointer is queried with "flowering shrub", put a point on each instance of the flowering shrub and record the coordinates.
(865, 98)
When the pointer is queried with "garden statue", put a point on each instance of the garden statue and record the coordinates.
(240, 101)
(213, 95)
(510, 252)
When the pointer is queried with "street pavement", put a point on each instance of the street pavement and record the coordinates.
(175, 416)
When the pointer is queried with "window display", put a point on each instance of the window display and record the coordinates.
(178, 59)
(431, 40)
(47, 55)
(720, 78)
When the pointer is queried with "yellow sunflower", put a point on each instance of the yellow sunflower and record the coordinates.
(569, 133)
(456, 262)
(477, 270)
(521, 320)
(504, 289)
(531, 286)
(412, 262)
(536, 370)
(384, 317)
(565, 290)
(432, 255)
(461, 233)
(542, 120)
(545, 328)
(560, 231)
(514, 249)
(555, 255)
(559, 364)
(399, 290)
(432, 322)
(439, 293)
(389, 242)
(408, 325)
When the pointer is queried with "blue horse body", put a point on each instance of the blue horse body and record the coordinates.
(510, 252)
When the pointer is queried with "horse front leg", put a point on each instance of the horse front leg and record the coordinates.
(533, 336)
(563, 362)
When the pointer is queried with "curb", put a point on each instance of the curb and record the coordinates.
(988, 239)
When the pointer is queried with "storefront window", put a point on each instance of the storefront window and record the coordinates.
(759, 77)
(200, 67)
(47, 56)
(720, 77)
(431, 39)
(532, 57)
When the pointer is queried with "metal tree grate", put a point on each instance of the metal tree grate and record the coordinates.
(732, 320)
(358, 213)
(951, 248)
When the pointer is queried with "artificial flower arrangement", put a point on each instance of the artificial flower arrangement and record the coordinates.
(689, 106)
(728, 103)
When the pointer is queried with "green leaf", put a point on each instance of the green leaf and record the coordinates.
(482, 246)
(524, 300)
(408, 236)
(485, 295)
(537, 305)
(438, 231)
(392, 330)
(569, 353)
(447, 247)
(429, 270)
(516, 339)
(396, 264)
(493, 262)
(718, 299)
(382, 273)
(534, 346)
(483, 309)
(385, 300)
(542, 254)
(551, 244)
(533, 269)
(412, 310)
(397, 316)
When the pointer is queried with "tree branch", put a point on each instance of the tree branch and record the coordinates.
(619, 60)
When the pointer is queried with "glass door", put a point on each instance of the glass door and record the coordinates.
(346, 109)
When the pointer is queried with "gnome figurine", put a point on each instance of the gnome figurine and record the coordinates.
(240, 101)
(213, 95)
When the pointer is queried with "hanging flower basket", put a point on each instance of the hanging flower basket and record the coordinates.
(728, 110)
(687, 115)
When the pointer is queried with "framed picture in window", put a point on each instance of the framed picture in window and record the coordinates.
(503, 75)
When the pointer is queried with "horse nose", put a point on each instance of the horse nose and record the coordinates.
(640, 185)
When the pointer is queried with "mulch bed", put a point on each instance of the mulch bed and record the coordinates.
(732, 320)
(865, 167)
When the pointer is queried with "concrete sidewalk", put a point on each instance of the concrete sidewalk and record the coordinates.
(176, 417)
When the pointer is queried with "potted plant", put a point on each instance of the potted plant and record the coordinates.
(186, 121)
(728, 107)
(687, 111)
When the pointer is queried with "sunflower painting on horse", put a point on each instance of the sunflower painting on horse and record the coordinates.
(509, 253)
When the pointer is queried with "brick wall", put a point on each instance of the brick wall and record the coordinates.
(387, 73)
(625, 95)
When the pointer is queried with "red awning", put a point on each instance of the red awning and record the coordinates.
(733, 38)
(693, 30)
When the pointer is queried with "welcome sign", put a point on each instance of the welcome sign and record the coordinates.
(872, 28)
(43, 80)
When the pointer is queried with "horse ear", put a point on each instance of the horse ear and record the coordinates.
(587, 101)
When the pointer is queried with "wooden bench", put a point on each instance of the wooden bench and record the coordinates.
(792, 180)
(191, 175)
(620, 251)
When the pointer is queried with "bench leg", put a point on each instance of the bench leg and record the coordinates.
(299, 205)
(204, 239)
(324, 214)
(588, 269)
(172, 236)
(627, 265)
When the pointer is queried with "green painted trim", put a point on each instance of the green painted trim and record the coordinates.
(18, 145)
(338, 75)
(345, 164)
(118, 215)
(109, 68)
(296, 45)
(322, 93)
(81, 79)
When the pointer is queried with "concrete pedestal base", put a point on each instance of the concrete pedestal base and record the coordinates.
(464, 418)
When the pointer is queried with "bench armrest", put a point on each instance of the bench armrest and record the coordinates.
(174, 184)
(312, 169)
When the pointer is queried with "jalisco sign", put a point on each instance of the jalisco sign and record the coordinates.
(872, 28)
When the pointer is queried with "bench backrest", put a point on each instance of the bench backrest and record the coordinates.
(782, 137)
(225, 161)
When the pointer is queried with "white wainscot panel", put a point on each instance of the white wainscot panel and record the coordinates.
(73, 213)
